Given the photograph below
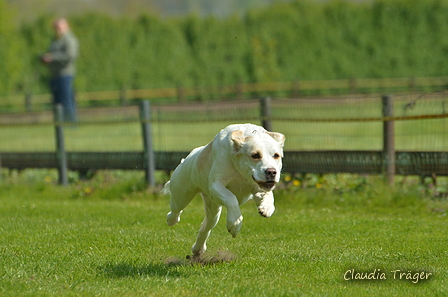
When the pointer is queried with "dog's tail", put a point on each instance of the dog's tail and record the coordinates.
(166, 189)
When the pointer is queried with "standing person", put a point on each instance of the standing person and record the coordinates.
(60, 59)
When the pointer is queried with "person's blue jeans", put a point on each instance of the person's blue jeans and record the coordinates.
(63, 93)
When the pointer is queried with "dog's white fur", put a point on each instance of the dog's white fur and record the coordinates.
(242, 162)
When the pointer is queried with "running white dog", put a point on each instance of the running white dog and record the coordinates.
(242, 162)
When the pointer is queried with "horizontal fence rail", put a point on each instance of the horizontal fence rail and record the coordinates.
(323, 135)
(293, 89)
(85, 161)
(321, 162)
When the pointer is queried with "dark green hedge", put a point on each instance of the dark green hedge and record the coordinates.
(298, 40)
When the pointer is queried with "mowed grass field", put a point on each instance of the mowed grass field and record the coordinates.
(108, 237)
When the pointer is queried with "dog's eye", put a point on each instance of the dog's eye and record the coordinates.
(256, 156)
(276, 156)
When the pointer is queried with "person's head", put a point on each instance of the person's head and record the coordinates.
(61, 26)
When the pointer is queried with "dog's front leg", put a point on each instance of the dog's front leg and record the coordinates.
(223, 196)
(265, 203)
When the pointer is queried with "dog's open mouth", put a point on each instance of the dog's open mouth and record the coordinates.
(267, 185)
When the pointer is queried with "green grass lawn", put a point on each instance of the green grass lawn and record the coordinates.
(108, 237)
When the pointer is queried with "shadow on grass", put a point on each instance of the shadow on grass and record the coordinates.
(163, 268)
(122, 270)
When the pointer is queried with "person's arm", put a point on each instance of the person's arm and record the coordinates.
(66, 56)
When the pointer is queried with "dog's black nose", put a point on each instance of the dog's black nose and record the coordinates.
(271, 173)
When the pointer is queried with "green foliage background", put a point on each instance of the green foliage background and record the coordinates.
(288, 41)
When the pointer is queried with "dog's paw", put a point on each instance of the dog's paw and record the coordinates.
(173, 218)
(198, 250)
(234, 226)
(266, 210)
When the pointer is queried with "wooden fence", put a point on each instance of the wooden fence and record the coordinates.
(292, 89)
(387, 161)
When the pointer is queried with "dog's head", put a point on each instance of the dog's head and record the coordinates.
(259, 156)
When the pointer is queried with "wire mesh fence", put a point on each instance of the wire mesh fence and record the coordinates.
(323, 134)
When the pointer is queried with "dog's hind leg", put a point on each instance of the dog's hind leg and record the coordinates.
(180, 198)
(212, 214)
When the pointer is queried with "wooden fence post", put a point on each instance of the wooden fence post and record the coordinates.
(388, 138)
(295, 92)
(180, 94)
(353, 84)
(412, 84)
(265, 113)
(239, 91)
(123, 97)
(28, 99)
(149, 160)
(61, 155)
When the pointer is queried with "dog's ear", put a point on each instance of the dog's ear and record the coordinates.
(279, 137)
(238, 140)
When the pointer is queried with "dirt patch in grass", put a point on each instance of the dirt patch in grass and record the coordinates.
(219, 257)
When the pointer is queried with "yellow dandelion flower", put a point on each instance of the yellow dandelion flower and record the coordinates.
(319, 186)
(287, 178)
(296, 182)
(88, 190)
(48, 179)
